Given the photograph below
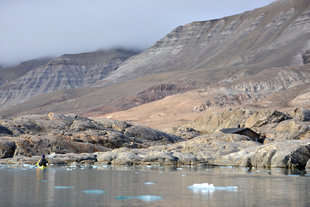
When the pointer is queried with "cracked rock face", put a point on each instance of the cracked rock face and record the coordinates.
(116, 142)
(37, 134)
(65, 72)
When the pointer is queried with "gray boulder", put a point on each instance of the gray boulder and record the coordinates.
(301, 114)
(146, 133)
(7, 148)
(261, 118)
(289, 154)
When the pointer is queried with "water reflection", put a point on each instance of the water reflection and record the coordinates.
(161, 186)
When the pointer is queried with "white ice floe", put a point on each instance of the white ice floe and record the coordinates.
(146, 198)
(96, 192)
(63, 187)
(28, 166)
(209, 188)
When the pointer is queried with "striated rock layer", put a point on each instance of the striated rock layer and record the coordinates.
(65, 72)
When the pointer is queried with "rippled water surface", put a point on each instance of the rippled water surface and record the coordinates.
(152, 186)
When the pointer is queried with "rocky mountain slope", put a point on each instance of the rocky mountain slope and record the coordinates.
(11, 73)
(65, 72)
(258, 58)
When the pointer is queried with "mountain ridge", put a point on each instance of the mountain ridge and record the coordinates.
(65, 72)
(241, 60)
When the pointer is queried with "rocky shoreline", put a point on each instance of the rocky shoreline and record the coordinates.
(80, 140)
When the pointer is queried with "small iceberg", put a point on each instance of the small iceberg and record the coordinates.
(28, 166)
(146, 198)
(63, 187)
(97, 192)
(209, 188)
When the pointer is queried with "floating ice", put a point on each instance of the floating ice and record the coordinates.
(98, 192)
(29, 166)
(149, 183)
(63, 187)
(146, 198)
(201, 186)
(209, 188)
(292, 175)
(149, 198)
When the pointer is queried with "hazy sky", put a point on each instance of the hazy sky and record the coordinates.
(37, 28)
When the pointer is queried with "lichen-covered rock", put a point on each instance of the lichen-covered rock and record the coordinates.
(145, 133)
(285, 130)
(218, 121)
(202, 149)
(37, 134)
(261, 118)
(7, 148)
(289, 154)
(184, 132)
(301, 114)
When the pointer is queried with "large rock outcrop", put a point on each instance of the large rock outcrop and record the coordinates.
(37, 134)
(289, 154)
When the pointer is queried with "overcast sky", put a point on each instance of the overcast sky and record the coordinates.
(37, 28)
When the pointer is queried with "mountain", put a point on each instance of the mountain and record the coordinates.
(255, 59)
(65, 72)
(273, 36)
(10, 73)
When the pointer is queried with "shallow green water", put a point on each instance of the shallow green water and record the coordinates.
(151, 186)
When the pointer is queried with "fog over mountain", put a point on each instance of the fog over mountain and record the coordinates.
(36, 28)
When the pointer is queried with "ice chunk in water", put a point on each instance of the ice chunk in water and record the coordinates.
(146, 198)
(149, 198)
(98, 192)
(209, 188)
(29, 166)
(201, 186)
(63, 187)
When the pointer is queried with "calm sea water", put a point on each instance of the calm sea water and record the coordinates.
(151, 186)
